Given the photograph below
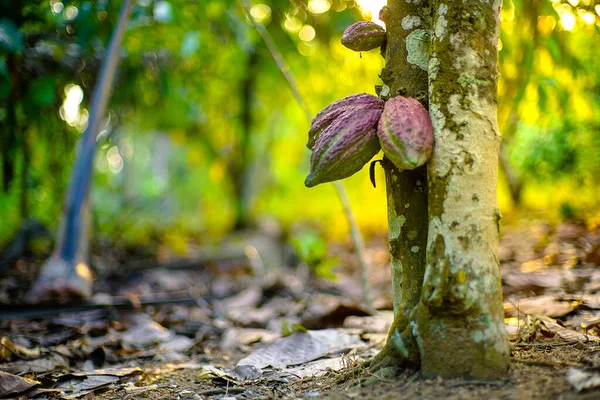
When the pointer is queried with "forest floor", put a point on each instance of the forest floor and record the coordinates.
(228, 322)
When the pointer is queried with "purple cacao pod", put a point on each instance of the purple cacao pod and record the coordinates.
(346, 145)
(405, 133)
(327, 115)
(363, 36)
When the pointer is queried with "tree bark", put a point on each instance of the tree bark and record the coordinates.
(459, 323)
(242, 175)
(25, 164)
(66, 273)
(405, 74)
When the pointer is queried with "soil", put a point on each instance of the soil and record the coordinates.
(552, 269)
(537, 372)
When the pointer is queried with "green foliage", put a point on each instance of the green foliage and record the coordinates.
(312, 249)
(11, 39)
(568, 212)
(288, 328)
(542, 154)
(196, 78)
(42, 92)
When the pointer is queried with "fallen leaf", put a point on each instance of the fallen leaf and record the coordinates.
(13, 384)
(565, 333)
(540, 305)
(378, 323)
(8, 348)
(301, 347)
(582, 380)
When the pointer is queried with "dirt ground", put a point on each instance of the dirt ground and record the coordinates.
(536, 372)
(178, 328)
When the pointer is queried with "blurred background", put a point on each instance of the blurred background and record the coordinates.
(204, 137)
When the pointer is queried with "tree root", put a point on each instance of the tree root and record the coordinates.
(61, 280)
(400, 349)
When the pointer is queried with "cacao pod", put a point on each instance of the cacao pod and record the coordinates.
(346, 145)
(405, 133)
(327, 115)
(363, 36)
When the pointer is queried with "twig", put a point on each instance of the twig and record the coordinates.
(484, 383)
(216, 392)
(547, 364)
(546, 344)
(358, 243)
(45, 311)
(285, 70)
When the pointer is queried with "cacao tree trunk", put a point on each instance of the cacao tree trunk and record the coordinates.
(459, 324)
(444, 236)
(405, 74)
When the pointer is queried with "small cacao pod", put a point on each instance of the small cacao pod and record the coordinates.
(346, 145)
(405, 133)
(363, 36)
(327, 115)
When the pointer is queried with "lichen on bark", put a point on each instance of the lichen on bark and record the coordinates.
(405, 74)
(447, 299)
(460, 322)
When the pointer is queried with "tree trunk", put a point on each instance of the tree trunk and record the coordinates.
(243, 168)
(405, 74)
(25, 164)
(8, 138)
(459, 324)
(66, 273)
(447, 300)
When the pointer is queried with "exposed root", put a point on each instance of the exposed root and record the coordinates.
(400, 350)
(61, 280)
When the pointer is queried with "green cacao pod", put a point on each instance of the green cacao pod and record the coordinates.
(326, 116)
(345, 145)
(405, 133)
(363, 36)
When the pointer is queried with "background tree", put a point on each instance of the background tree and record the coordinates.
(180, 89)
(67, 271)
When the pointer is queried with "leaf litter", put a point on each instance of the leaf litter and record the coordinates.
(232, 326)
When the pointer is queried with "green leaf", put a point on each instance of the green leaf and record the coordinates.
(42, 92)
(287, 328)
(311, 247)
(11, 40)
(555, 50)
(542, 98)
(325, 268)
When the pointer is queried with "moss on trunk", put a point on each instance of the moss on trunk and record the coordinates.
(405, 74)
(447, 300)
(459, 324)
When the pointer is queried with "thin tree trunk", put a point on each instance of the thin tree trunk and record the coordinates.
(67, 272)
(243, 169)
(8, 138)
(25, 161)
(405, 74)
(459, 324)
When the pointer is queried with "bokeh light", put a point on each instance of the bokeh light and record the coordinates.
(307, 33)
(261, 13)
(319, 6)
(371, 8)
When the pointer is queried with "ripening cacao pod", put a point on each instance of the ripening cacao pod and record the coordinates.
(326, 116)
(363, 36)
(405, 133)
(345, 145)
